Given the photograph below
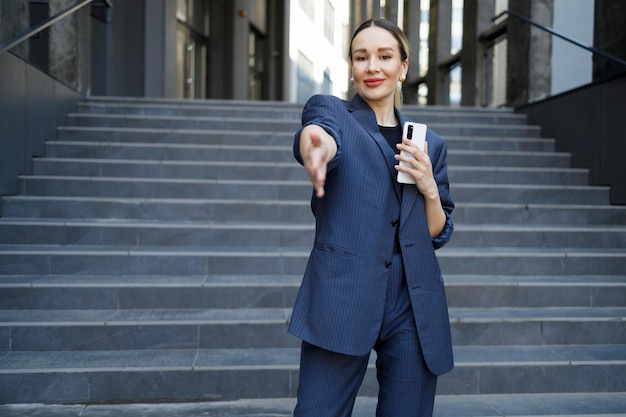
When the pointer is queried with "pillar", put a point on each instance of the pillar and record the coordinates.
(439, 42)
(391, 10)
(14, 19)
(412, 20)
(69, 48)
(477, 17)
(609, 36)
(529, 73)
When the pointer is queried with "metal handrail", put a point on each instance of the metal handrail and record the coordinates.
(591, 49)
(45, 24)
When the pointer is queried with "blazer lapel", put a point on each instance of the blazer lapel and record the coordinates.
(363, 113)
(409, 196)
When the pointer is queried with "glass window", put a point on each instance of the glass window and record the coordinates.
(308, 7)
(329, 22)
(306, 81)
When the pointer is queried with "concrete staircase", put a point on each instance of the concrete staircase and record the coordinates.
(156, 251)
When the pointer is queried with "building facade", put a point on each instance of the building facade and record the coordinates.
(286, 50)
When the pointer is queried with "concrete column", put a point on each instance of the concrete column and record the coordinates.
(412, 21)
(362, 10)
(154, 51)
(278, 11)
(439, 49)
(241, 30)
(391, 10)
(14, 19)
(160, 49)
(477, 17)
(170, 69)
(609, 36)
(529, 73)
(69, 49)
(102, 70)
(374, 8)
(540, 77)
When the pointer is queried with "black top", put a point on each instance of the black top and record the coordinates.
(392, 134)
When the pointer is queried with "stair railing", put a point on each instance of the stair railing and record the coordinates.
(591, 49)
(490, 37)
(15, 155)
(46, 23)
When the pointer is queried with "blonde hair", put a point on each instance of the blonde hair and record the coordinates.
(399, 35)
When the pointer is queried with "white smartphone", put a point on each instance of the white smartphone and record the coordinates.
(416, 133)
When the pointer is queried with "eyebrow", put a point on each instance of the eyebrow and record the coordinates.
(379, 50)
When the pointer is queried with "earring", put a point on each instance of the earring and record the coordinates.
(352, 80)
(402, 78)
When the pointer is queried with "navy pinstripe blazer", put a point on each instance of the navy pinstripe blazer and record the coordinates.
(341, 300)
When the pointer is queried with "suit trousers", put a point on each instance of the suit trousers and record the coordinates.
(329, 381)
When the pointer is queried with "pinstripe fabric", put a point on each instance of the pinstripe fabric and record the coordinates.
(329, 381)
(340, 306)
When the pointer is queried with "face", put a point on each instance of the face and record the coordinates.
(377, 65)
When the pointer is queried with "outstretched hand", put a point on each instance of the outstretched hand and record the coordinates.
(317, 148)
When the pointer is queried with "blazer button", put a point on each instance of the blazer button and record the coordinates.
(395, 223)
(388, 264)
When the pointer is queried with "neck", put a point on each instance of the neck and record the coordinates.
(385, 114)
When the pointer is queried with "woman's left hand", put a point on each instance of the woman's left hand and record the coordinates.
(419, 167)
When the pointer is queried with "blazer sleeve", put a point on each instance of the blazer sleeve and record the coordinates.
(440, 172)
(323, 111)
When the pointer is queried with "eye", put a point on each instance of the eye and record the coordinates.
(385, 57)
(360, 58)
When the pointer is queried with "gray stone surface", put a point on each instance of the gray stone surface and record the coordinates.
(154, 261)
(538, 405)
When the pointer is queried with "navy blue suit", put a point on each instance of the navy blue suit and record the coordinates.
(341, 303)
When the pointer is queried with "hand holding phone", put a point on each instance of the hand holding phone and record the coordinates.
(416, 133)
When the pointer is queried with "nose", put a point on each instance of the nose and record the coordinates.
(373, 65)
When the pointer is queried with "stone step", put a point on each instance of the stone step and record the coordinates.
(280, 235)
(530, 194)
(275, 154)
(122, 187)
(79, 291)
(283, 170)
(549, 214)
(157, 251)
(244, 123)
(233, 137)
(582, 404)
(298, 211)
(161, 209)
(268, 104)
(291, 113)
(272, 373)
(163, 260)
(178, 328)
(164, 188)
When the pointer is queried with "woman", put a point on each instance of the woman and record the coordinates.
(372, 280)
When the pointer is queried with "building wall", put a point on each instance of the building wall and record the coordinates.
(318, 64)
(595, 141)
(32, 105)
